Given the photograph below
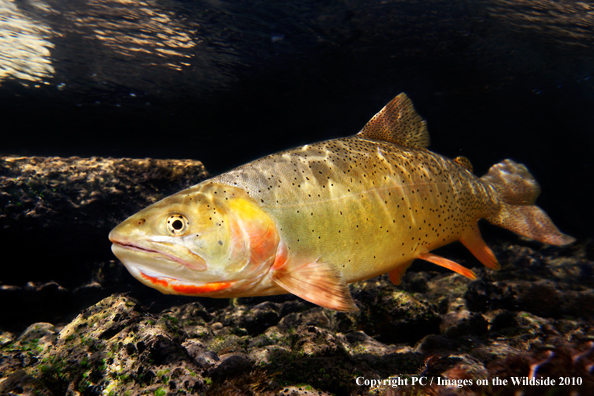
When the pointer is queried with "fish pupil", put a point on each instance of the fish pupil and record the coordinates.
(177, 225)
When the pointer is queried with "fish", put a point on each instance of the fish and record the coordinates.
(312, 219)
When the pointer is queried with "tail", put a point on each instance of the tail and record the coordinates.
(518, 190)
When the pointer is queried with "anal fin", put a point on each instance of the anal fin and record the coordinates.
(397, 273)
(474, 242)
(449, 264)
(315, 282)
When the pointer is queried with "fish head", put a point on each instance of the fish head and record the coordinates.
(209, 240)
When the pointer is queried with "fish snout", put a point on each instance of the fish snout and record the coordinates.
(130, 229)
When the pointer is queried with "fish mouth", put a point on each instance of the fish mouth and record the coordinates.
(134, 247)
(199, 265)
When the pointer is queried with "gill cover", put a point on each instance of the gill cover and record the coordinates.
(254, 234)
(229, 230)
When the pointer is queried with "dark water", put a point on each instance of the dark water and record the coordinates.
(228, 81)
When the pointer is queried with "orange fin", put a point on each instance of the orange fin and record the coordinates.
(449, 264)
(474, 242)
(315, 282)
(397, 273)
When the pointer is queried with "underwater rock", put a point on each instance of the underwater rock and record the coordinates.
(57, 212)
(19, 383)
(65, 207)
(398, 316)
(463, 322)
(42, 332)
(53, 188)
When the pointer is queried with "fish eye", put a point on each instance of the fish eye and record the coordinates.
(177, 224)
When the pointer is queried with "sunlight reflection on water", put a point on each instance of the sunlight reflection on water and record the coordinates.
(24, 48)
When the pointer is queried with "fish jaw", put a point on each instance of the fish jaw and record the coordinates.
(149, 256)
(168, 284)
(158, 271)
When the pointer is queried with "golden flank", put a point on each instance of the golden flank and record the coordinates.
(310, 220)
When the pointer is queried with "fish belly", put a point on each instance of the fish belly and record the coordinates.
(363, 206)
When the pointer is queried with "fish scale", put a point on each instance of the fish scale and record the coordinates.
(330, 198)
(312, 219)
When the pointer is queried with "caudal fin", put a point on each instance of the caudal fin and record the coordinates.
(518, 190)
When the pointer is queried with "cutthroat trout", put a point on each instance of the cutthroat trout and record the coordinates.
(310, 220)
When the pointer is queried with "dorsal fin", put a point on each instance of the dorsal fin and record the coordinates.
(464, 162)
(399, 123)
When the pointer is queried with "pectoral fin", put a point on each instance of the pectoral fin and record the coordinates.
(315, 282)
(449, 264)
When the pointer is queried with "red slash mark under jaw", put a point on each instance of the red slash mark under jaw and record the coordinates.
(186, 289)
